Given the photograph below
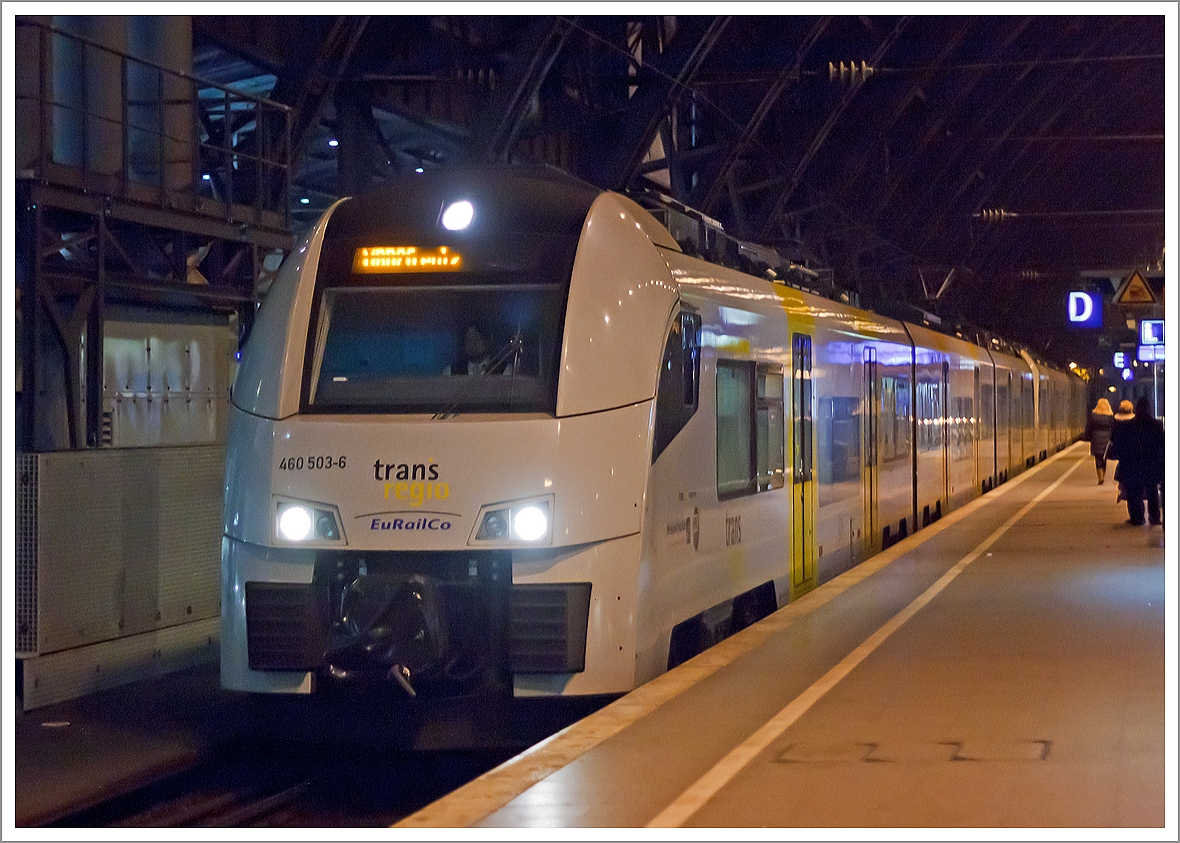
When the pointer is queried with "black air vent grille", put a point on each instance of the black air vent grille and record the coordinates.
(284, 630)
(547, 628)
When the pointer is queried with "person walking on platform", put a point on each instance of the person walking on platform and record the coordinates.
(1097, 433)
(1138, 445)
(1125, 414)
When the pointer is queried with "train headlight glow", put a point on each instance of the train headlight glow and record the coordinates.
(526, 521)
(458, 215)
(297, 521)
(529, 523)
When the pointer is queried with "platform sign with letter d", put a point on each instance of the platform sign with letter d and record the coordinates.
(1084, 309)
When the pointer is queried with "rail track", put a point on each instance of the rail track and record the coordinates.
(261, 785)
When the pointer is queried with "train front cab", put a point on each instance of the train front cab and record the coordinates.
(586, 460)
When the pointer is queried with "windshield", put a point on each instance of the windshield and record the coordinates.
(437, 349)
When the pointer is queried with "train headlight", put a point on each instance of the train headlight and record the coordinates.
(294, 523)
(530, 523)
(522, 522)
(301, 522)
(458, 215)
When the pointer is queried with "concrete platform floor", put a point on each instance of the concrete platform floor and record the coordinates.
(1004, 668)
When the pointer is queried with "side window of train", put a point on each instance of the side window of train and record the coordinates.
(678, 392)
(839, 439)
(987, 408)
(929, 411)
(751, 453)
(802, 422)
(770, 445)
(1003, 403)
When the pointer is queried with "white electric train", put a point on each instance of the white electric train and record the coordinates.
(495, 429)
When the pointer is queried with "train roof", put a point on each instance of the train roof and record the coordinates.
(517, 199)
(546, 200)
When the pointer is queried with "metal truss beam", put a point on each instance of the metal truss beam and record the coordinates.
(499, 124)
(662, 82)
(788, 75)
(310, 91)
(822, 134)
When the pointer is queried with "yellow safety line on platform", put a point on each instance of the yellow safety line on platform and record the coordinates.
(496, 788)
(707, 786)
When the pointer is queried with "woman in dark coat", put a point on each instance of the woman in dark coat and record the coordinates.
(1125, 413)
(1097, 433)
(1139, 447)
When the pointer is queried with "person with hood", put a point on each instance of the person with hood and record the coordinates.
(1138, 445)
(1097, 433)
(1125, 414)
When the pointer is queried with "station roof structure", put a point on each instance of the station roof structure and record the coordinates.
(976, 167)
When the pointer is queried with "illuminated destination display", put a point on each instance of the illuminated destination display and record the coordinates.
(388, 259)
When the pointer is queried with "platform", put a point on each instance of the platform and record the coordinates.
(1005, 667)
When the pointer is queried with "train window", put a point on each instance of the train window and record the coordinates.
(1002, 406)
(962, 433)
(768, 424)
(436, 350)
(735, 468)
(802, 397)
(895, 418)
(905, 415)
(987, 411)
(929, 396)
(751, 454)
(839, 443)
(887, 420)
(678, 392)
(690, 338)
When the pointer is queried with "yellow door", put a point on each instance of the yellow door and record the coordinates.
(803, 490)
(869, 477)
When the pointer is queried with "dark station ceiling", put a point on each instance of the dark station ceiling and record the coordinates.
(976, 167)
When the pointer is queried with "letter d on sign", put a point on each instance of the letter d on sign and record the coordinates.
(1085, 309)
(1081, 307)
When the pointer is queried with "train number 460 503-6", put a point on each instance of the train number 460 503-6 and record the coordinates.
(314, 463)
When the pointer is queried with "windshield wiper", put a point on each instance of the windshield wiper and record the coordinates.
(511, 349)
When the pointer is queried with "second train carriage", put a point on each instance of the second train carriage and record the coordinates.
(494, 428)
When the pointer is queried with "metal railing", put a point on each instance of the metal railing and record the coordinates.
(98, 119)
